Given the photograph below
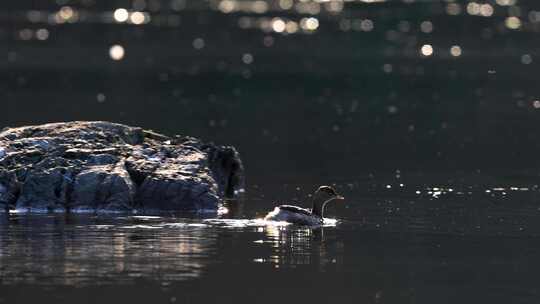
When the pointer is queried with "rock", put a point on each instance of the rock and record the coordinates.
(9, 188)
(43, 189)
(103, 187)
(108, 166)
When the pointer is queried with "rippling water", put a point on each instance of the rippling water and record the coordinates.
(307, 91)
(392, 242)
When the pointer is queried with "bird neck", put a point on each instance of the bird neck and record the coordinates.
(318, 206)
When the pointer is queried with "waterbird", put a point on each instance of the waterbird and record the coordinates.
(302, 216)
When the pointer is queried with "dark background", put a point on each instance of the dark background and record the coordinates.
(310, 105)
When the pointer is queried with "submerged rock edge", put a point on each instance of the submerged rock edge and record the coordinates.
(99, 165)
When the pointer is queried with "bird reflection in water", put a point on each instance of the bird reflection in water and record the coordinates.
(296, 246)
(96, 250)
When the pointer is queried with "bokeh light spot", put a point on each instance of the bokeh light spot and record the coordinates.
(247, 58)
(309, 24)
(426, 27)
(278, 25)
(198, 43)
(42, 34)
(513, 23)
(121, 15)
(455, 51)
(137, 18)
(117, 52)
(426, 50)
(526, 59)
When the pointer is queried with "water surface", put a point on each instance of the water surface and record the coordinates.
(393, 242)
(377, 90)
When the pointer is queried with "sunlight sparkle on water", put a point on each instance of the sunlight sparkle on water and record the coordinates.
(506, 2)
(247, 58)
(455, 50)
(198, 43)
(121, 15)
(426, 27)
(513, 23)
(139, 18)
(426, 50)
(66, 14)
(42, 34)
(278, 25)
(453, 9)
(117, 52)
(223, 210)
(526, 59)
(310, 24)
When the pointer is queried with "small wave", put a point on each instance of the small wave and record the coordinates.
(238, 223)
(37, 210)
(184, 225)
(141, 227)
(241, 223)
(90, 210)
(330, 222)
(103, 227)
(146, 217)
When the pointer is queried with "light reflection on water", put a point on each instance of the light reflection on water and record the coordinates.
(63, 250)
(389, 243)
(75, 250)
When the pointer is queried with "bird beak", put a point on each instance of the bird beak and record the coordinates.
(339, 197)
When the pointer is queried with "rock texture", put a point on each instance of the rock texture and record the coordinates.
(106, 166)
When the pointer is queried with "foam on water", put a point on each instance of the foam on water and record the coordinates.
(35, 210)
(240, 223)
(146, 217)
(141, 227)
(157, 222)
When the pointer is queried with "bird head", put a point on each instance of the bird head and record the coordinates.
(327, 193)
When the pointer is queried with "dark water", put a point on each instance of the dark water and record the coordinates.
(346, 96)
(424, 114)
(394, 241)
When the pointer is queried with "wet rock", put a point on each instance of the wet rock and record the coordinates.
(103, 187)
(42, 189)
(9, 189)
(102, 165)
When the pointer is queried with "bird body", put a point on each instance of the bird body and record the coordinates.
(293, 214)
(302, 216)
